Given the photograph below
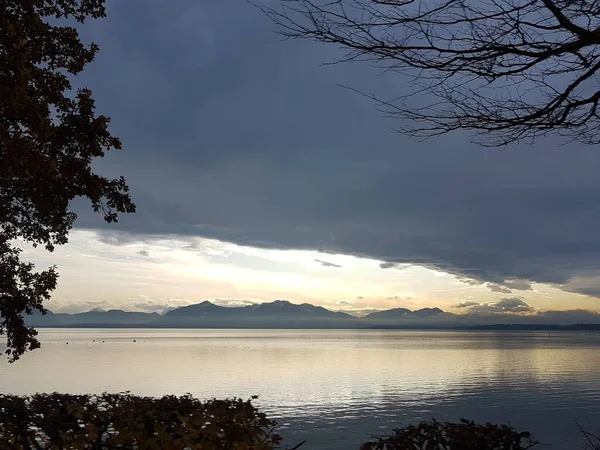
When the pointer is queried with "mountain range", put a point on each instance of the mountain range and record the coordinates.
(284, 314)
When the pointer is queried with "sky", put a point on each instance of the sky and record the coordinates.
(257, 177)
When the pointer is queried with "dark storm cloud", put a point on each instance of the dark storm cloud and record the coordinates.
(593, 291)
(499, 288)
(509, 285)
(520, 285)
(231, 133)
(144, 253)
(472, 282)
(327, 264)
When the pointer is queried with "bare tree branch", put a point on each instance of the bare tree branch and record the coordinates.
(509, 70)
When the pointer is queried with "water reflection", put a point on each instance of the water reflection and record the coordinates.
(334, 385)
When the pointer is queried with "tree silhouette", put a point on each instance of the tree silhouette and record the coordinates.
(49, 136)
(508, 70)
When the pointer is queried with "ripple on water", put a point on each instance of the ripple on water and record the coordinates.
(337, 388)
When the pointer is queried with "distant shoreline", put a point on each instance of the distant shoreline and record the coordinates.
(494, 327)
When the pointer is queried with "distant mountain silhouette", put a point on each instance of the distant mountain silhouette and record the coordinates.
(94, 317)
(277, 314)
(112, 316)
(284, 314)
(394, 313)
(404, 313)
(205, 308)
(428, 312)
(285, 308)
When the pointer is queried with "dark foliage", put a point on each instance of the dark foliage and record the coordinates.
(49, 137)
(465, 435)
(511, 70)
(124, 421)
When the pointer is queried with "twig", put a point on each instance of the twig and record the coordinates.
(588, 437)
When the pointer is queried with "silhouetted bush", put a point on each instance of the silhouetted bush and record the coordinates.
(465, 435)
(124, 421)
(129, 422)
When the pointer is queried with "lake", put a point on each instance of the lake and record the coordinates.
(336, 388)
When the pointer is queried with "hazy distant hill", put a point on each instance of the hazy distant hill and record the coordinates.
(403, 313)
(284, 308)
(274, 309)
(203, 309)
(112, 316)
(395, 313)
(284, 314)
(277, 314)
(93, 317)
(429, 312)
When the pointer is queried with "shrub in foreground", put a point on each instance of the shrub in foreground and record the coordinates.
(129, 422)
(124, 421)
(465, 435)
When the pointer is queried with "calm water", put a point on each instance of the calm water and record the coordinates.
(336, 388)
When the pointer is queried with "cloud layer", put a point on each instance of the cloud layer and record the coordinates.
(327, 264)
(507, 305)
(231, 134)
